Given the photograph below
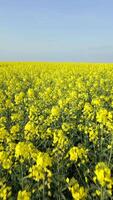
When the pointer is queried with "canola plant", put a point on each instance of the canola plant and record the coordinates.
(56, 131)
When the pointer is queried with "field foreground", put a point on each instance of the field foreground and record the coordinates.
(56, 131)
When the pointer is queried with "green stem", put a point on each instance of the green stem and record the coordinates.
(111, 151)
(110, 155)
(22, 175)
(43, 190)
(101, 197)
(101, 142)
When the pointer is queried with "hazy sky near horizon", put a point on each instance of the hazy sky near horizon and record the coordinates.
(56, 30)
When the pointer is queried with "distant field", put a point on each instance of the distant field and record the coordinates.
(56, 131)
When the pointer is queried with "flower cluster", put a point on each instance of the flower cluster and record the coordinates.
(78, 192)
(103, 176)
(78, 153)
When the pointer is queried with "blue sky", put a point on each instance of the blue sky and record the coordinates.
(56, 30)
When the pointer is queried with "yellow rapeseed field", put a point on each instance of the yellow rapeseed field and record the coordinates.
(56, 131)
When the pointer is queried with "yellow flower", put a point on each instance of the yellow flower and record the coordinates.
(102, 116)
(96, 102)
(40, 171)
(29, 127)
(15, 129)
(87, 108)
(24, 195)
(5, 191)
(78, 153)
(30, 131)
(5, 160)
(61, 103)
(43, 159)
(93, 135)
(19, 98)
(65, 127)
(55, 111)
(78, 192)
(60, 142)
(30, 92)
(4, 135)
(98, 192)
(25, 150)
(103, 176)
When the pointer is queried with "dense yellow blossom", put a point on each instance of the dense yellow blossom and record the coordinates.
(23, 195)
(5, 160)
(15, 129)
(40, 171)
(93, 135)
(103, 174)
(60, 142)
(4, 135)
(19, 98)
(78, 192)
(78, 153)
(30, 92)
(55, 111)
(56, 121)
